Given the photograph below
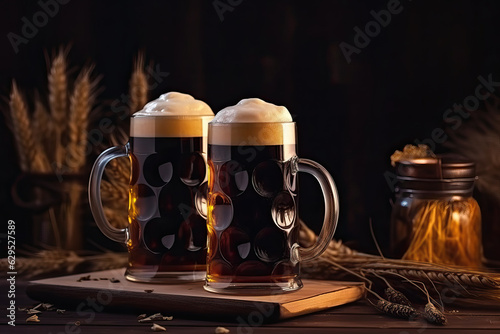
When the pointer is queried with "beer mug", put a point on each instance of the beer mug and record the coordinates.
(166, 236)
(253, 225)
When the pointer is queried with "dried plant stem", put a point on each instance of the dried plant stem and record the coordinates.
(388, 307)
(73, 220)
(431, 313)
(58, 101)
(64, 262)
(115, 202)
(441, 235)
(31, 156)
(138, 85)
(392, 294)
(359, 275)
(55, 228)
(80, 106)
(449, 277)
(461, 281)
(21, 127)
(481, 130)
(43, 128)
(114, 192)
(118, 171)
(417, 285)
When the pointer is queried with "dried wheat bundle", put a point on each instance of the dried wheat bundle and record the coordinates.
(340, 261)
(478, 139)
(54, 139)
(64, 262)
(440, 236)
(57, 136)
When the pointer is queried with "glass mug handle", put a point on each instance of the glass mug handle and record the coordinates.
(120, 235)
(331, 197)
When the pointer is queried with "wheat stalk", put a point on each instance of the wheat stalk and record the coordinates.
(21, 127)
(117, 216)
(138, 85)
(81, 102)
(339, 261)
(31, 157)
(109, 191)
(115, 202)
(80, 106)
(58, 101)
(60, 261)
(115, 191)
(446, 275)
(481, 130)
(119, 171)
(43, 127)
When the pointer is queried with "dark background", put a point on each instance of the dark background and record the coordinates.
(351, 116)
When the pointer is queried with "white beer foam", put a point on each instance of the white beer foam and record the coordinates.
(175, 104)
(172, 115)
(252, 122)
(253, 110)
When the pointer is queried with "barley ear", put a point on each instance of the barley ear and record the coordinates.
(138, 85)
(43, 128)
(81, 102)
(58, 101)
(433, 315)
(31, 157)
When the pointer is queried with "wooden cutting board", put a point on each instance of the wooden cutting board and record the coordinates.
(189, 299)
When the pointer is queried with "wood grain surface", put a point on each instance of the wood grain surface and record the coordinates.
(190, 299)
(354, 318)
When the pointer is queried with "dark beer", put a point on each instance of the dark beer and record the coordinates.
(167, 208)
(252, 212)
(167, 233)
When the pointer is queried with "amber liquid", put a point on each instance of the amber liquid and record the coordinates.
(252, 214)
(167, 233)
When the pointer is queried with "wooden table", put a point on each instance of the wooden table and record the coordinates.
(357, 317)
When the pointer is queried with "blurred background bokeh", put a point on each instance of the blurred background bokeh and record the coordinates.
(352, 114)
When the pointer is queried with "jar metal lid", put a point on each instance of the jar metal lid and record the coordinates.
(443, 174)
(441, 167)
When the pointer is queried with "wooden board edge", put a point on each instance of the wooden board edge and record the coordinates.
(321, 302)
(185, 306)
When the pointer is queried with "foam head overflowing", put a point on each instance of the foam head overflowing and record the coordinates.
(171, 115)
(253, 111)
(252, 122)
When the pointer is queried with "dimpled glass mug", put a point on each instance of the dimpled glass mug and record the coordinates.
(166, 236)
(253, 224)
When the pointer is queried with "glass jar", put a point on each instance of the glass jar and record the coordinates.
(435, 218)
